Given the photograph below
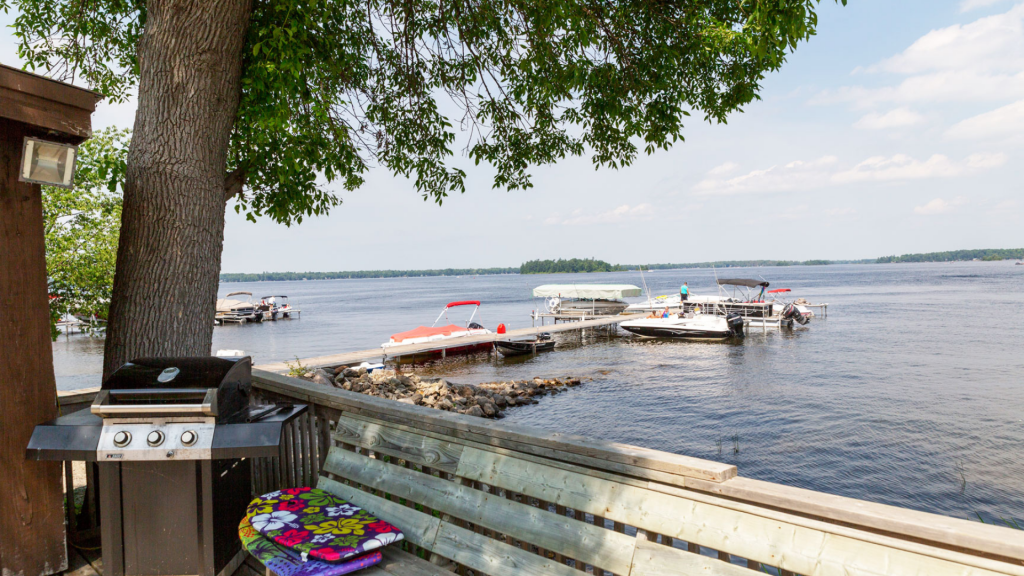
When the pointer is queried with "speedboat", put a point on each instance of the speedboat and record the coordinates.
(237, 310)
(586, 299)
(442, 340)
(692, 325)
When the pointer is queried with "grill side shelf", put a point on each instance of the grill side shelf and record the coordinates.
(72, 437)
(262, 438)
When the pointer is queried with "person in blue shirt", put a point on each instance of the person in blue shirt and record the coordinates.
(684, 293)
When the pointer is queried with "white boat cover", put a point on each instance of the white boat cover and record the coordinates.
(587, 291)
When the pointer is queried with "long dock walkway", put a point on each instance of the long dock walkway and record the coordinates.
(377, 354)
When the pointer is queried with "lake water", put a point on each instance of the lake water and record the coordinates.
(910, 393)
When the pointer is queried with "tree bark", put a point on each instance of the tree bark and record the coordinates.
(172, 224)
(32, 501)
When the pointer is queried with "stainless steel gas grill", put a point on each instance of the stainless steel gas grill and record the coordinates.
(173, 438)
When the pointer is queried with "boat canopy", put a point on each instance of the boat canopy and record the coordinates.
(742, 282)
(239, 294)
(777, 290)
(587, 291)
(275, 296)
(463, 303)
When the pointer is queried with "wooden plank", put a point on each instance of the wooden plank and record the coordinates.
(492, 556)
(377, 354)
(656, 560)
(399, 563)
(417, 527)
(387, 440)
(805, 546)
(498, 450)
(582, 450)
(563, 535)
(963, 534)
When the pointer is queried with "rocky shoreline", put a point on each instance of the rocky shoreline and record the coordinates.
(486, 400)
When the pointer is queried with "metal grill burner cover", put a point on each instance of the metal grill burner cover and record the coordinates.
(172, 437)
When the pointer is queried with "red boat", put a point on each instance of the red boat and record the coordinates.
(443, 340)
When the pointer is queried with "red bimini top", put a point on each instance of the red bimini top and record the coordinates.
(779, 290)
(427, 331)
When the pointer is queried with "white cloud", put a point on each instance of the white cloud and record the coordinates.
(939, 206)
(724, 168)
(976, 62)
(968, 5)
(826, 171)
(624, 213)
(904, 167)
(993, 43)
(1005, 121)
(793, 176)
(892, 119)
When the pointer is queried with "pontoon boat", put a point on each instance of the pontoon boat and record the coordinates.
(237, 310)
(586, 299)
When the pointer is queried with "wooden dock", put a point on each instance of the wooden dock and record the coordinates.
(379, 354)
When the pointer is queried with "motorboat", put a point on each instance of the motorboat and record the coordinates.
(586, 299)
(231, 309)
(442, 340)
(690, 325)
(274, 306)
(746, 297)
(542, 343)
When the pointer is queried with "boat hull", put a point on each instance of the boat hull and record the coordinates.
(512, 348)
(678, 332)
(702, 327)
(438, 353)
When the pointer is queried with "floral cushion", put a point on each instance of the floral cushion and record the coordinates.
(317, 524)
(286, 562)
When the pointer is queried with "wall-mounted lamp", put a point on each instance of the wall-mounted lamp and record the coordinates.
(50, 163)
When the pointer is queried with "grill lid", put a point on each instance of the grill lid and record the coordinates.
(186, 386)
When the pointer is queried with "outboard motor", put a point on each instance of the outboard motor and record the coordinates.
(735, 322)
(791, 312)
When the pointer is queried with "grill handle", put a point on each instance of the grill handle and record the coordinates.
(101, 406)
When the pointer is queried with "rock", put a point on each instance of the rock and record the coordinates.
(446, 404)
(340, 369)
(489, 408)
(474, 411)
(394, 382)
(465, 391)
(347, 385)
(523, 401)
(362, 371)
(350, 373)
(416, 398)
(320, 379)
(499, 400)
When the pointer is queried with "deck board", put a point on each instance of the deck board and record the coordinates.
(377, 354)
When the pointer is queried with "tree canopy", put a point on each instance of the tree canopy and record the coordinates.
(82, 227)
(332, 87)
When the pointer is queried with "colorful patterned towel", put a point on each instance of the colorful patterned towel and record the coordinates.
(317, 524)
(285, 562)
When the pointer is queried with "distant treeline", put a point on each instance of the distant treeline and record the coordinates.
(574, 265)
(590, 265)
(991, 254)
(585, 265)
(291, 276)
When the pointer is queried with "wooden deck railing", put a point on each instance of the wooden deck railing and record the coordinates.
(661, 504)
(662, 510)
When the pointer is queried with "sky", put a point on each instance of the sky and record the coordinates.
(899, 128)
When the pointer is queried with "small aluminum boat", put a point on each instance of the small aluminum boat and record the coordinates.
(542, 343)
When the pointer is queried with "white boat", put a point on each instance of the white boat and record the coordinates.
(586, 299)
(237, 310)
(692, 325)
(446, 338)
(749, 298)
(273, 306)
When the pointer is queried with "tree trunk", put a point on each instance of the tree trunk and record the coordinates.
(172, 224)
(32, 503)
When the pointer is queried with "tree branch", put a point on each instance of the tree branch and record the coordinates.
(233, 183)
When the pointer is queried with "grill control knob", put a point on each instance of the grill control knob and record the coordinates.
(122, 438)
(155, 438)
(188, 438)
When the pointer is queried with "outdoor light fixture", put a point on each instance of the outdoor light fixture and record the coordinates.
(50, 163)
